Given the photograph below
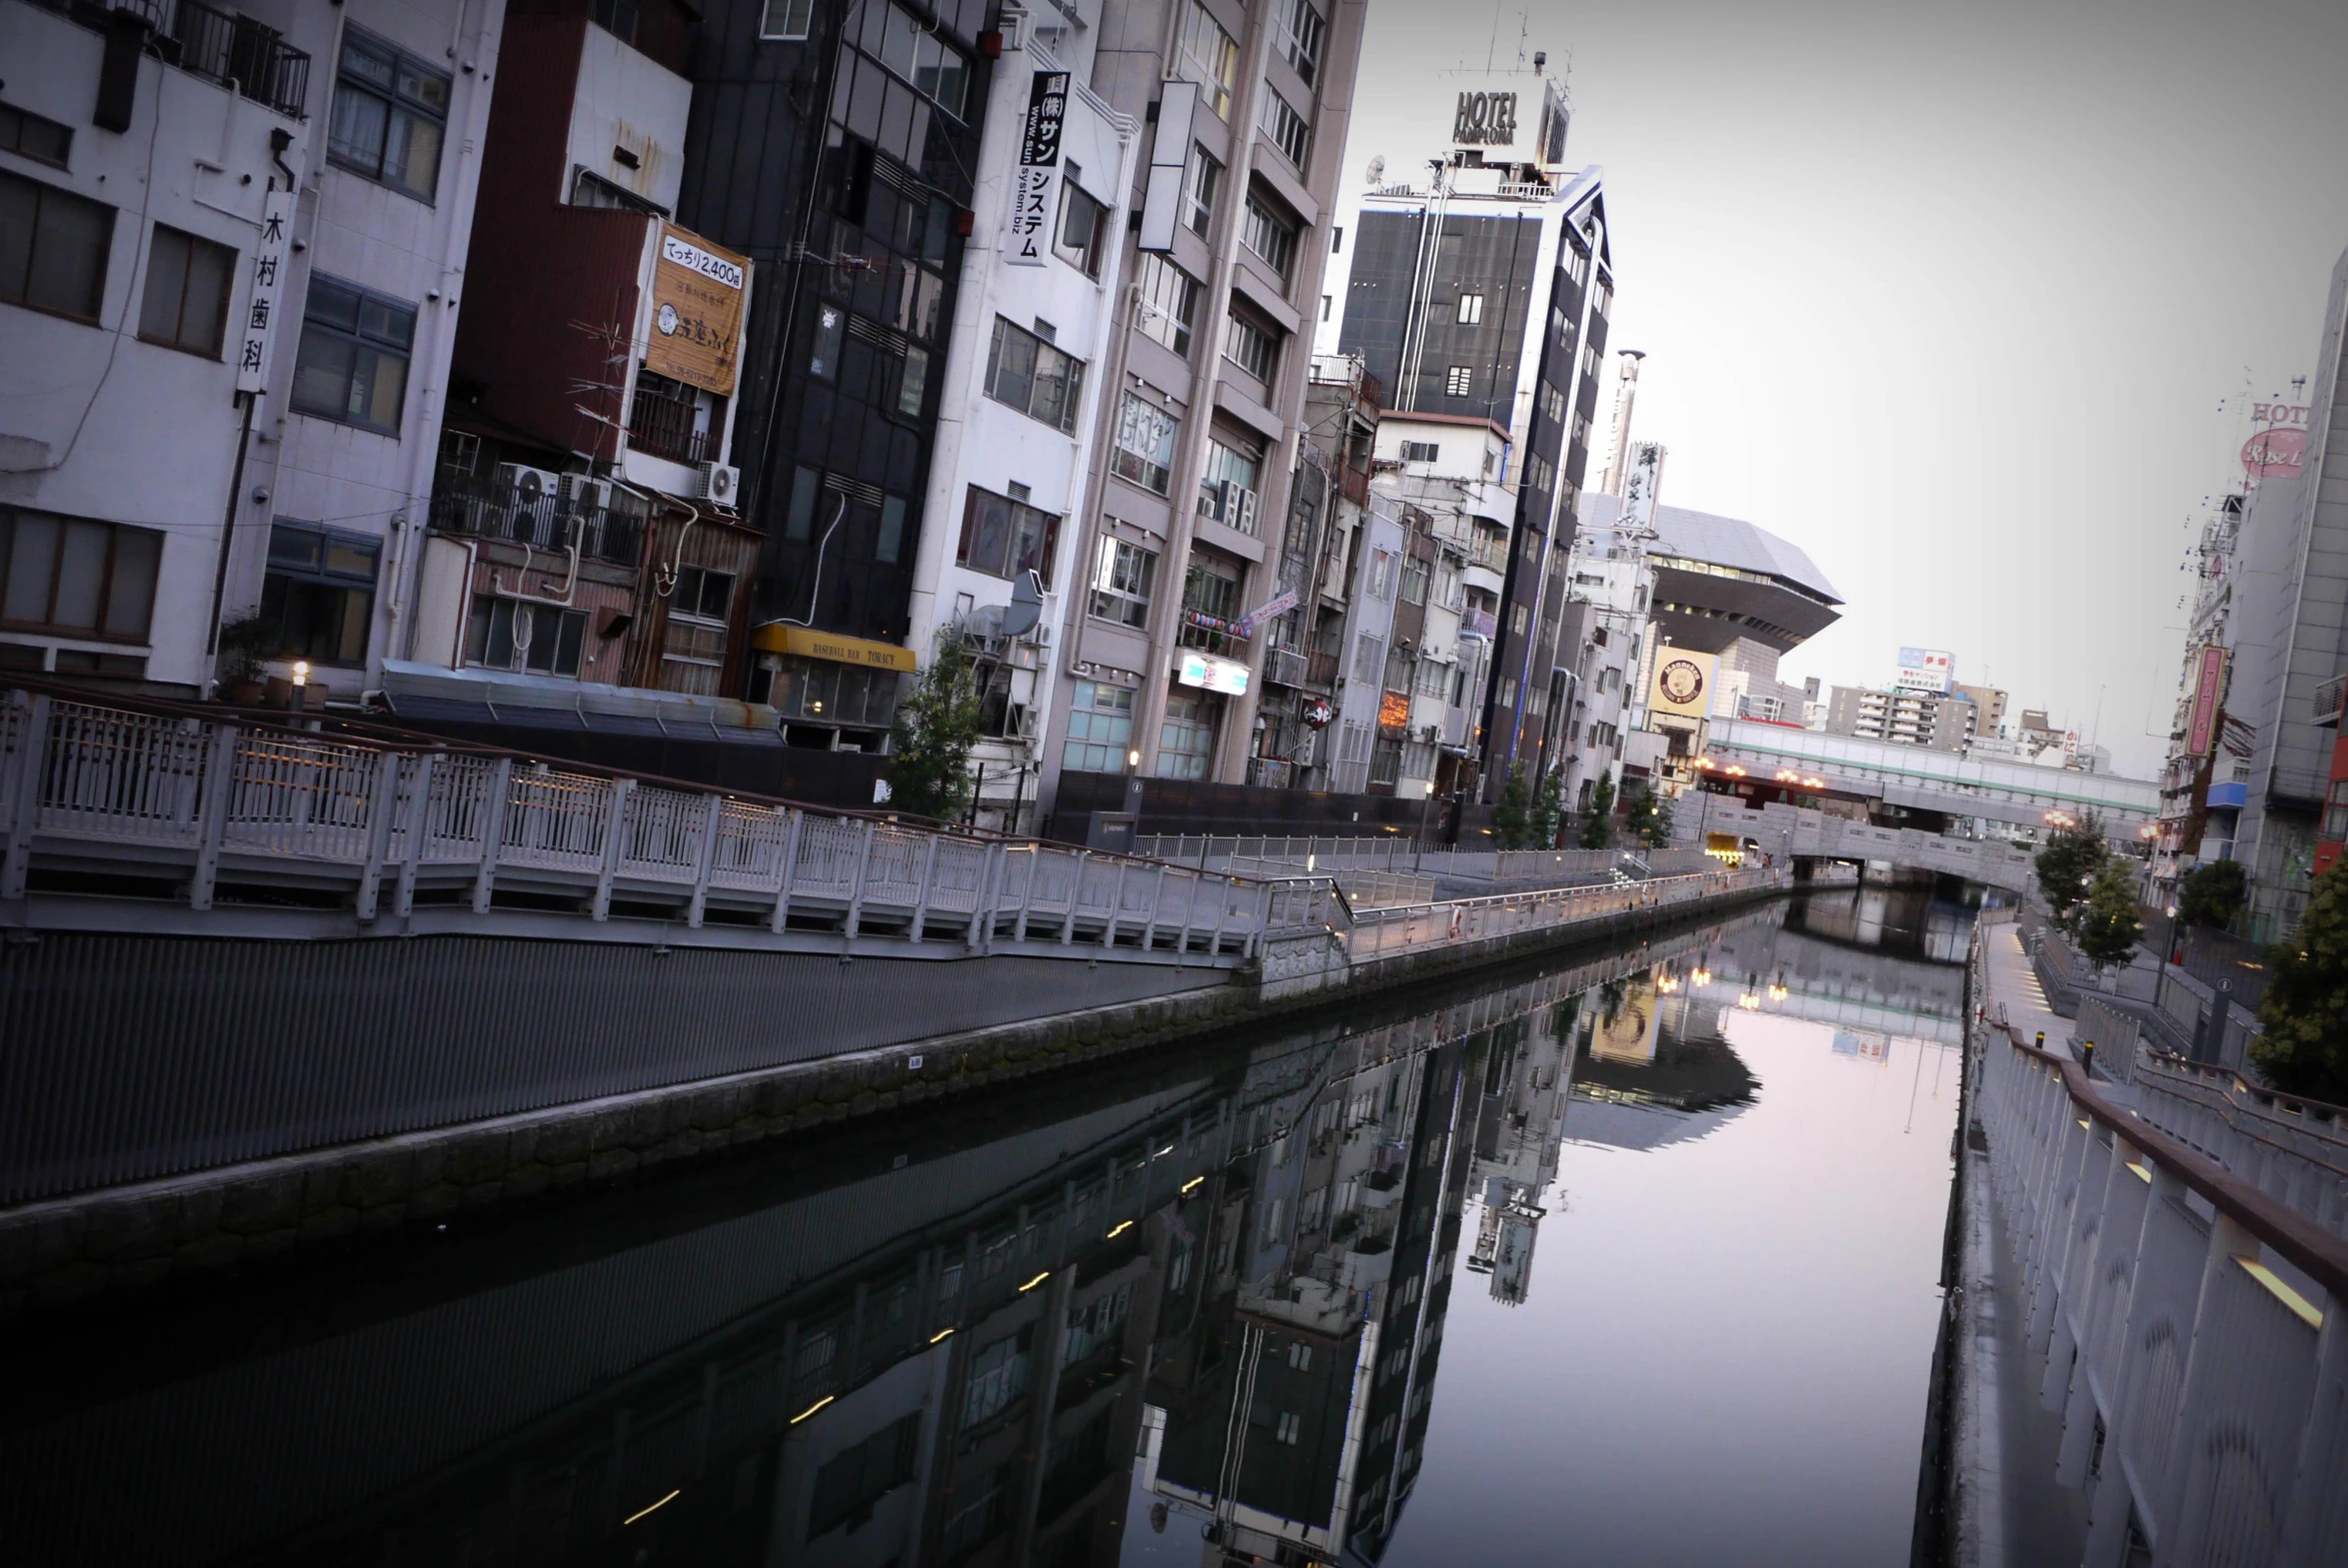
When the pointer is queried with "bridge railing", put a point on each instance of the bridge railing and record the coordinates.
(1402, 855)
(1378, 933)
(2191, 1326)
(200, 805)
(2294, 1150)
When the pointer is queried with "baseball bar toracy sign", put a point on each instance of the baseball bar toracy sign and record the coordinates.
(1030, 236)
(698, 292)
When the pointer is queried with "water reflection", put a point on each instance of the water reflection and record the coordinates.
(1187, 1311)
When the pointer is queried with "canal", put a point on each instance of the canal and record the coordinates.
(1626, 1258)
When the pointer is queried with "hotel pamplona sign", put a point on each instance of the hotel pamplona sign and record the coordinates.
(1485, 120)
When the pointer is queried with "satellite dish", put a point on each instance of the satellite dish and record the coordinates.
(1026, 605)
(1378, 170)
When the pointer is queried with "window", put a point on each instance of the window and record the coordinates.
(941, 72)
(52, 248)
(1202, 183)
(1185, 741)
(1204, 54)
(787, 19)
(1421, 451)
(2336, 812)
(890, 542)
(73, 578)
(1381, 574)
(1144, 445)
(186, 302)
(1301, 34)
(1288, 129)
(320, 593)
(1210, 592)
(856, 1478)
(1084, 228)
(1286, 1427)
(1369, 657)
(822, 361)
(30, 136)
(1301, 1354)
(1169, 301)
(1003, 538)
(513, 633)
(1099, 729)
(1538, 472)
(1326, 300)
(1470, 309)
(1094, 1325)
(1271, 238)
(1459, 382)
(976, 1517)
(353, 366)
(617, 17)
(1553, 404)
(1415, 575)
(390, 113)
(913, 382)
(1252, 348)
(1034, 376)
(1226, 483)
(702, 595)
(1122, 575)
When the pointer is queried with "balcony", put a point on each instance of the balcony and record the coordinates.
(2329, 699)
(478, 508)
(1478, 623)
(1285, 667)
(242, 54)
(661, 427)
(1321, 670)
(1272, 772)
(1211, 633)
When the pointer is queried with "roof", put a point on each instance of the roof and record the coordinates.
(1724, 541)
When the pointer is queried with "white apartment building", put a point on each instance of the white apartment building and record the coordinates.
(224, 351)
(1603, 641)
(1020, 416)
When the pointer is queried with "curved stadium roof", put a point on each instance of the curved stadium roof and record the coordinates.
(1722, 577)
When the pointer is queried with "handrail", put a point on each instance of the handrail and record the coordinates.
(2323, 1257)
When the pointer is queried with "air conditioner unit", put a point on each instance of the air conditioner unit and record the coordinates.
(528, 486)
(1246, 521)
(721, 483)
(1431, 732)
(586, 493)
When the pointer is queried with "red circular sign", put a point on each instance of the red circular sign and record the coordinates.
(2274, 452)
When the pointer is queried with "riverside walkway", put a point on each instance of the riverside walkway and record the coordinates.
(244, 954)
(2149, 1361)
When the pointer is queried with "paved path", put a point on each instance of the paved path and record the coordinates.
(2009, 1460)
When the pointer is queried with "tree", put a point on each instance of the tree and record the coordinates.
(2304, 1049)
(1511, 820)
(2107, 924)
(1598, 832)
(2068, 864)
(2213, 895)
(1548, 810)
(1649, 817)
(929, 764)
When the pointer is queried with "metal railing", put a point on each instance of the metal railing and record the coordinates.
(1400, 852)
(663, 428)
(245, 56)
(2190, 1324)
(539, 519)
(2293, 1150)
(201, 806)
(1380, 932)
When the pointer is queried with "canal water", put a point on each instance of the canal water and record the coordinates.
(1625, 1258)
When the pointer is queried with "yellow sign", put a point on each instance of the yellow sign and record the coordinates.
(698, 294)
(1683, 684)
(810, 644)
(1393, 710)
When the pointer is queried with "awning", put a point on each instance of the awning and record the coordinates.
(806, 642)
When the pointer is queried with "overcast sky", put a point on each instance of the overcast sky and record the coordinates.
(1963, 298)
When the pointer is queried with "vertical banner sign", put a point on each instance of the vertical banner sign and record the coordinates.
(2209, 687)
(1030, 193)
(268, 264)
(1641, 486)
(1169, 159)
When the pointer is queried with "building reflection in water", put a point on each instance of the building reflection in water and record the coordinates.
(1213, 1290)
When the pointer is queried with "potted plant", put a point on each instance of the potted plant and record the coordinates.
(244, 644)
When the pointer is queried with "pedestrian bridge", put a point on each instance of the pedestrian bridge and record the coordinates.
(1922, 780)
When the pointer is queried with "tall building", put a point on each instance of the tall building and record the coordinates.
(1200, 390)
(1484, 293)
(1021, 418)
(235, 250)
(2291, 621)
(1902, 718)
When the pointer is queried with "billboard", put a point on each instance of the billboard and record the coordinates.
(1925, 670)
(1628, 1033)
(1210, 674)
(697, 299)
(2209, 691)
(1027, 236)
(1683, 684)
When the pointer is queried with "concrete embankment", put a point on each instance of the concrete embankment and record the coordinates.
(132, 1234)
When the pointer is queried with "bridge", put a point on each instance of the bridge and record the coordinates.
(1920, 780)
(1805, 833)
